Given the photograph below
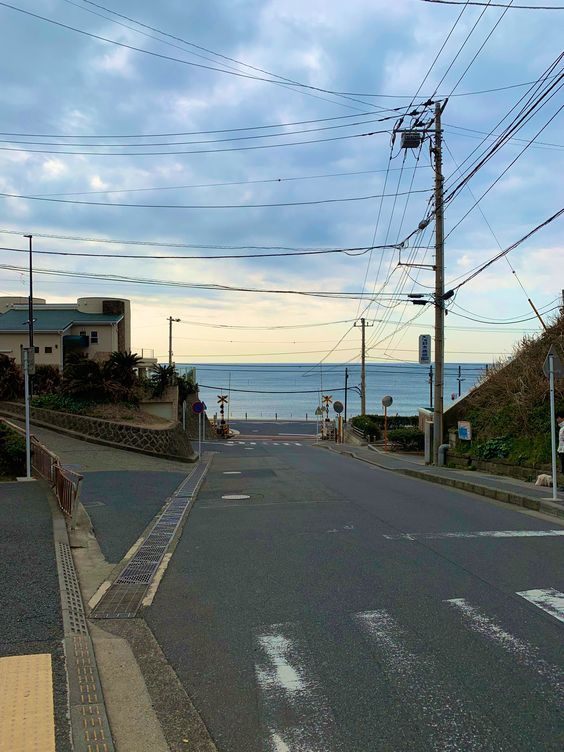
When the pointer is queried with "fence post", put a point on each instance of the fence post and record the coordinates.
(75, 503)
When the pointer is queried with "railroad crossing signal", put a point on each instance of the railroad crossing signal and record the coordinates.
(327, 399)
(222, 399)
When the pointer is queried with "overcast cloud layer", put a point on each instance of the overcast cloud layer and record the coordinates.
(57, 82)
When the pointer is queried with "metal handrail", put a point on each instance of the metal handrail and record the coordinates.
(65, 483)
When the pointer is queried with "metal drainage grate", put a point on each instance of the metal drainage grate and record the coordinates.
(123, 598)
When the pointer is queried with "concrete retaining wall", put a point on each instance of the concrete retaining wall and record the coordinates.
(171, 442)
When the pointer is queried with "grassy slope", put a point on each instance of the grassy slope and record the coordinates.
(512, 402)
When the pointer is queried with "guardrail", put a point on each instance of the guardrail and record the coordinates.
(65, 483)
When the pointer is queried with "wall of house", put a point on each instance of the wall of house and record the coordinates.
(14, 342)
(107, 339)
(111, 306)
(11, 300)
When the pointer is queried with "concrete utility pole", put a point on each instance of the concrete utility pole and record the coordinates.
(346, 391)
(363, 324)
(439, 288)
(170, 320)
(31, 351)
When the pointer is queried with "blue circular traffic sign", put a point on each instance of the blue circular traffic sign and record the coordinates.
(198, 408)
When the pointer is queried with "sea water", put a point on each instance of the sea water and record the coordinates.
(293, 390)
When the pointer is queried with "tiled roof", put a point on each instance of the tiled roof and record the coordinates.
(52, 319)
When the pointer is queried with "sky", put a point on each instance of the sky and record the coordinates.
(107, 105)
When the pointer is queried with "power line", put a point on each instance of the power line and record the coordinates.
(189, 285)
(497, 135)
(119, 256)
(509, 249)
(207, 141)
(221, 185)
(161, 243)
(496, 5)
(192, 151)
(122, 205)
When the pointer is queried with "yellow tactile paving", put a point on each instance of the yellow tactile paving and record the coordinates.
(27, 721)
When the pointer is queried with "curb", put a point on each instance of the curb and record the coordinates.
(507, 497)
(102, 442)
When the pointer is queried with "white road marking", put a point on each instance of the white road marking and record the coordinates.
(275, 443)
(286, 443)
(236, 497)
(521, 650)
(550, 600)
(450, 724)
(294, 711)
(297, 443)
(480, 534)
(232, 472)
(253, 443)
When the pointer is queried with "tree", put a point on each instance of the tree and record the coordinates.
(11, 378)
(186, 386)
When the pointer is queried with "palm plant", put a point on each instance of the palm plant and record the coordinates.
(161, 377)
(121, 367)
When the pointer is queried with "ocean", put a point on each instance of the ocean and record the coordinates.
(290, 391)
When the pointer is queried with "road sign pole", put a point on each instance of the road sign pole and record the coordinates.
(552, 425)
(385, 428)
(199, 437)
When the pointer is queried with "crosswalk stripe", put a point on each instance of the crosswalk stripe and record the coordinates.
(480, 534)
(550, 600)
(450, 723)
(295, 713)
(520, 649)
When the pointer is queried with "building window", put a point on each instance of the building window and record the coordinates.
(36, 349)
(48, 349)
(83, 334)
(94, 338)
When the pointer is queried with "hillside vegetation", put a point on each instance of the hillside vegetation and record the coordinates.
(509, 409)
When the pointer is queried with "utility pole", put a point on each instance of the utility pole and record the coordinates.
(170, 320)
(431, 387)
(460, 380)
(439, 288)
(31, 351)
(346, 392)
(363, 324)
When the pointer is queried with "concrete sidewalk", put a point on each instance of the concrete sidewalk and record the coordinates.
(31, 623)
(500, 488)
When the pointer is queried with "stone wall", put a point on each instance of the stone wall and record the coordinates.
(499, 467)
(171, 442)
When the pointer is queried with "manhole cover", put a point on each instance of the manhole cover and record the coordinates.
(235, 497)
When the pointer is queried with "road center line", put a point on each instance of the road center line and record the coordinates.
(480, 534)
(520, 649)
(550, 600)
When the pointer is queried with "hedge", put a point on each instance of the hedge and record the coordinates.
(407, 439)
(12, 452)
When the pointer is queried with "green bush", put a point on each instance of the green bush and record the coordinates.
(62, 403)
(493, 449)
(12, 452)
(368, 426)
(407, 439)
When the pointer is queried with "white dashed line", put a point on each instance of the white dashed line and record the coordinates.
(521, 650)
(480, 534)
(295, 712)
(551, 601)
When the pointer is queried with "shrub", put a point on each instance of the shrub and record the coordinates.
(407, 439)
(493, 449)
(61, 402)
(11, 379)
(12, 452)
(47, 379)
(367, 425)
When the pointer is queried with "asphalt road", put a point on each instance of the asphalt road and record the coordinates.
(330, 611)
(274, 428)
